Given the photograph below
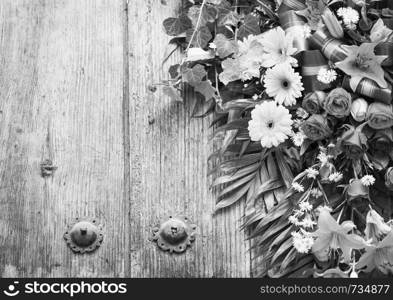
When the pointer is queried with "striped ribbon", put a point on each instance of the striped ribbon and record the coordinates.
(386, 48)
(329, 46)
(312, 62)
(288, 5)
(370, 88)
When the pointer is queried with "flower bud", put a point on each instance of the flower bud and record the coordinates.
(389, 178)
(332, 24)
(359, 109)
(356, 190)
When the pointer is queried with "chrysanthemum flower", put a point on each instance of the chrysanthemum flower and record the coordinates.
(368, 180)
(270, 124)
(284, 84)
(278, 48)
(298, 138)
(336, 177)
(349, 15)
(326, 76)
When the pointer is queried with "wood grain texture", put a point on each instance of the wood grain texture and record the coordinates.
(61, 98)
(168, 161)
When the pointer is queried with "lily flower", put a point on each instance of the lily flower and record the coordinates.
(332, 236)
(376, 226)
(378, 256)
(362, 62)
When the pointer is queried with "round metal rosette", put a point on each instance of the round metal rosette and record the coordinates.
(175, 234)
(84, 235)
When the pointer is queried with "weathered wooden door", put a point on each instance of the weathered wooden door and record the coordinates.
(74, 90)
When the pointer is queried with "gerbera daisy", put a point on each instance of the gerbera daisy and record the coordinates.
(278, 48)
(270, 124)
(282, 83)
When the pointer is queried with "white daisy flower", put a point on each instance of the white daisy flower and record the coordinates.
(368, 180)
(311, 173)
(270, 124)
(326, 76)
(335, 177)
(283, 84)
(298, 187)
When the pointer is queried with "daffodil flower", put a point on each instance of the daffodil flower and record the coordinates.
(332, 236)
(362, 62)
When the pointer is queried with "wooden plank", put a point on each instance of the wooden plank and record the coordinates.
(169, 165)
(61, 91)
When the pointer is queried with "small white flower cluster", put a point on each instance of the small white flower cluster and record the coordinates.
(302, 241)
(349, 15)
(302, 218)
(312, 173)
(326, 76)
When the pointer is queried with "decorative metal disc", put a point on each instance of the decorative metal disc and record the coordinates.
(84, 235)
(175, 234)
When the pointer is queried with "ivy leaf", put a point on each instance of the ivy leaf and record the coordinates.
(200, 38)
(206, 89)
(172, 92)
(176, 26)
(227, 16)
(194, 75)
(208, 15)
(250, 26)
(225, 46)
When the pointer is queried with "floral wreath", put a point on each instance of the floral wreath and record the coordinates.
(301, 92)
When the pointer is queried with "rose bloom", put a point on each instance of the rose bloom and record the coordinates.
(312, 102)
(379, 115)
(353, 141)
(338, 103)
(316, 128)
(359, 109)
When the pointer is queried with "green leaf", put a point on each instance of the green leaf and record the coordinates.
(195, 75)
(208, 15)
(172, 92)
(236, 185)
(238, 174)
(250, 26)
(176, 26)
(225, 46)
(285, 171)
(200, 38)
(206, 89)
(233, 198)
(227, 15)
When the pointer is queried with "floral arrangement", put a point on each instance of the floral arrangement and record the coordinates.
(301, 92)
